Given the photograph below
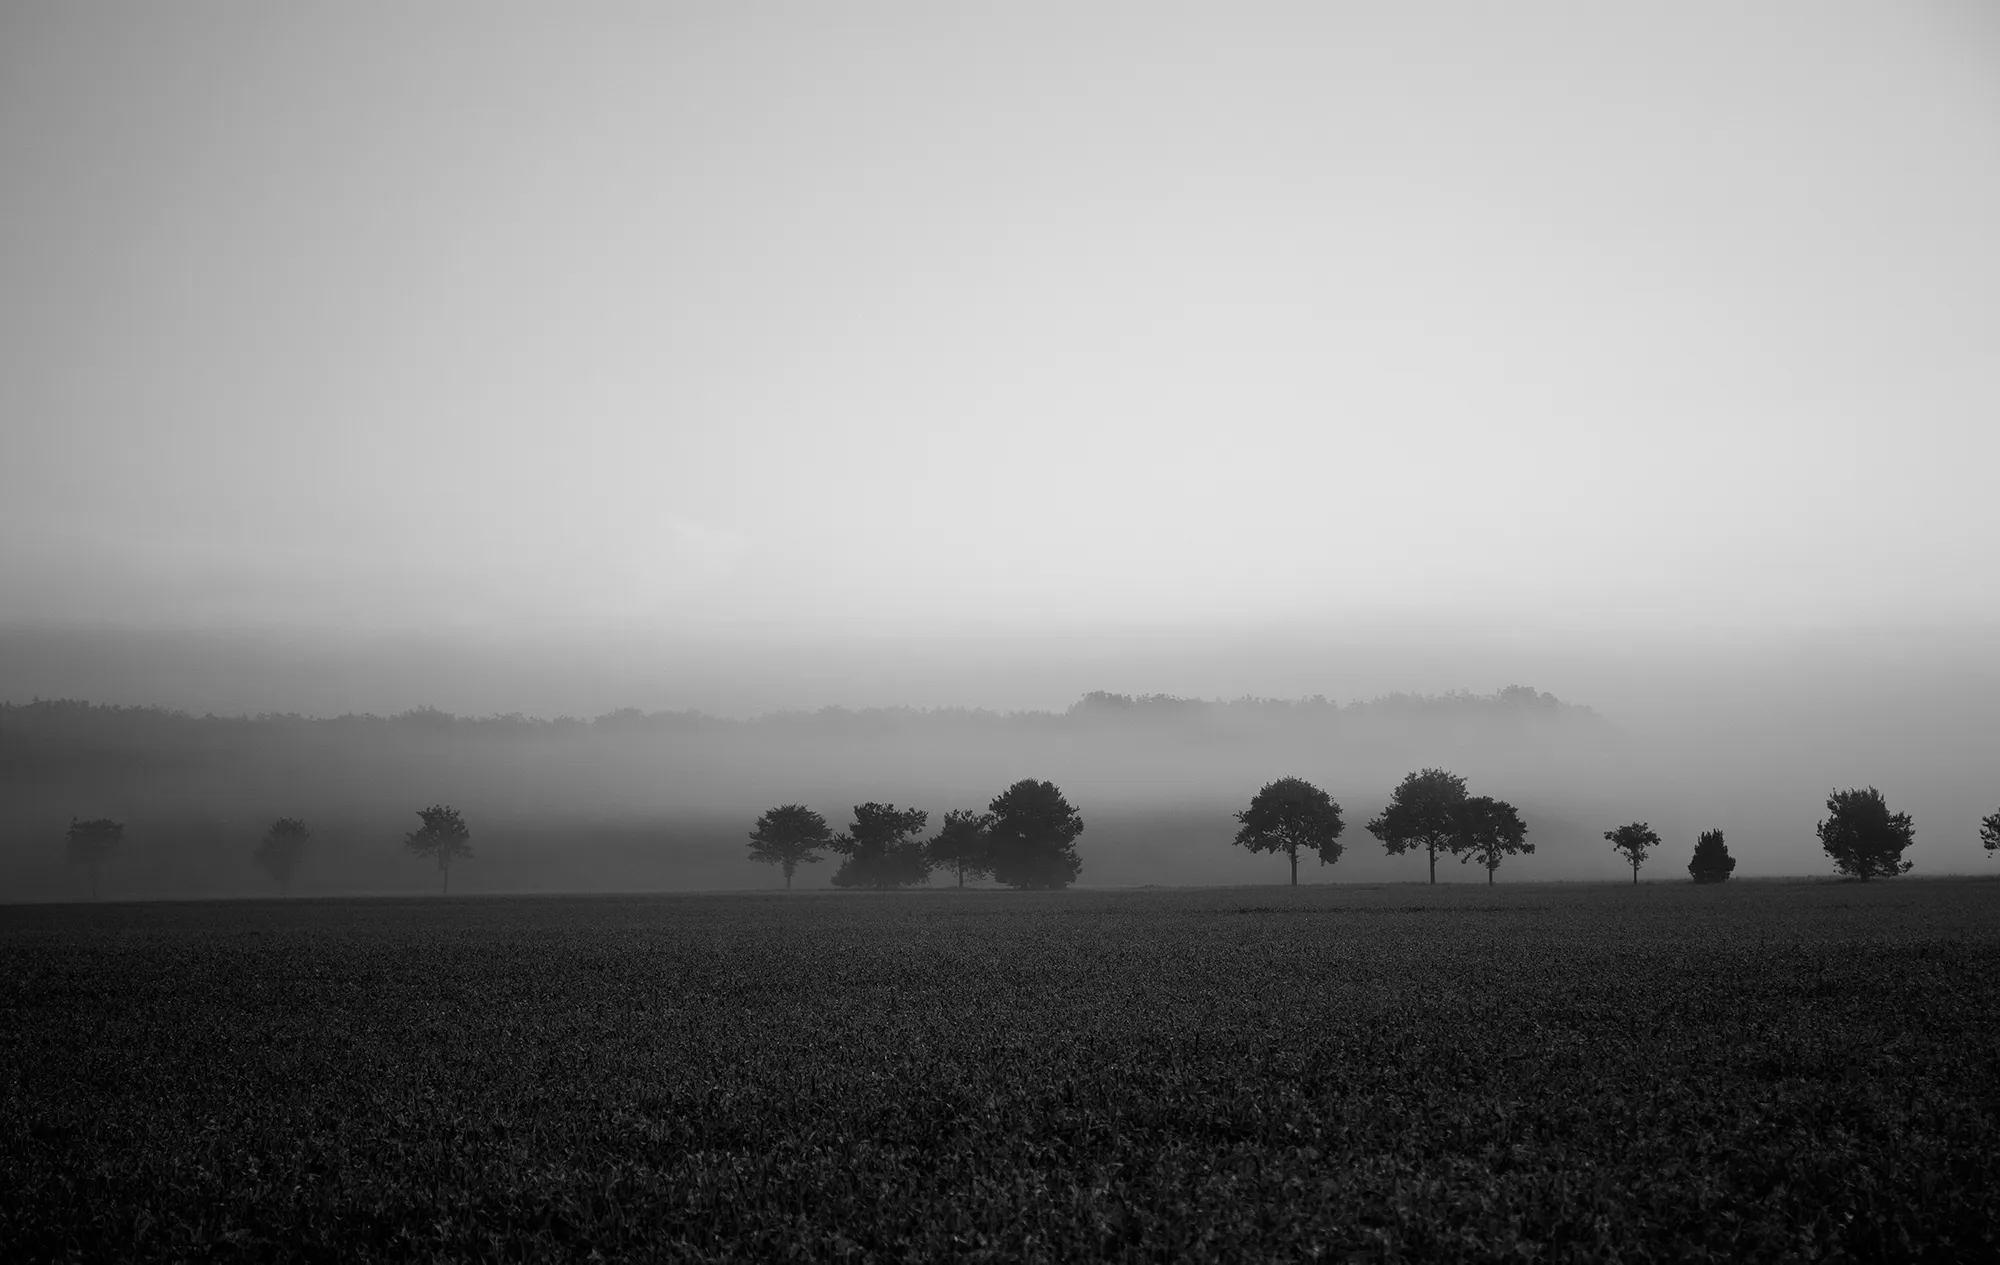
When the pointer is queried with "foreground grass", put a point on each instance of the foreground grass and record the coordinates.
(1757, 1070)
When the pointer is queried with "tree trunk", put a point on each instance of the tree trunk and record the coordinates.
(1635, 874)
(788, 876)
(1434, 863)
(1489, 875)
(446, 867)
(961, 874)
(1295, 867)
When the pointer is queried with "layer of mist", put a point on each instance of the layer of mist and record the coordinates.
(661, 800)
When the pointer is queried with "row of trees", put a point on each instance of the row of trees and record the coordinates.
(443, 836)
(1026, 838)
(1859, 832)
(1429, 811)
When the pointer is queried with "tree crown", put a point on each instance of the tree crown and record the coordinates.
(1488, 829)
(443, 835)
(1634, 841)
(1711, 862)
(1422, 812)
(1291, 814)
(1863, 837)
(1033, 833)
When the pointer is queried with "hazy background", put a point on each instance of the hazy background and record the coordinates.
(747, 357)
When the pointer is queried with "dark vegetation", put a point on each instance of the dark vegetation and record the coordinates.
(882, 848)
(1863, 837)
(1287, 815)
(1753, 1071)
(1711, 862)
(789, 836)
(443, 837)
(1634, 841)
(1430, 812)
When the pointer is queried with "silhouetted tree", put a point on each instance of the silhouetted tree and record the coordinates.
(443, 835)
(1712, 862)
(963, 843)
(1489, 829)
(1863, 837)
(1033, 836)
(1989, 832)
(1422, 813)
(91, 843)
(881, 849)
(1289, 814)
(1633, 842)
(280, 849)
(788, 836)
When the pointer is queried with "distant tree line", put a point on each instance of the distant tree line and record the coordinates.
(1026, 837)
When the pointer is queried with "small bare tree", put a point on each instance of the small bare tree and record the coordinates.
(443, 835)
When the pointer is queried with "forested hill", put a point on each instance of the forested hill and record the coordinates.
(111, 758)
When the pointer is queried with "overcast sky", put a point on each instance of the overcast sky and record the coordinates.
(391, 318)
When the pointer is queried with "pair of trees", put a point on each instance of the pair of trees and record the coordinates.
(1429, 810)
(1026, 839)
(443, 836)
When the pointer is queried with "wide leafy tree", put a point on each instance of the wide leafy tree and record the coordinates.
(91, 843)
(1422, 815)
(1989, 832)
(443, 836)
(881, 848)
(1633, 842)
(1288, 815)
(964, 843)
(1488, 830)
(1863, 837)
(1033, 836)
(789, 836)
(279, 851)
(1712, 862)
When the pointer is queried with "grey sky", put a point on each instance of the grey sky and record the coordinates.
(422, 319)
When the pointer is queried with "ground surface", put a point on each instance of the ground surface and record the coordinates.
(1757, 1070)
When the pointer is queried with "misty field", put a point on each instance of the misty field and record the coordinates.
(1556, 1072)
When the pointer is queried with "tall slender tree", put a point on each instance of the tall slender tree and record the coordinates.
(789, 836)
(444, 836)
(279, 851)
(1633, 842)
(1422, 815)
(1488, 830)
(963, 843)
(91, 843)
(1863, 837)
(1289, 814)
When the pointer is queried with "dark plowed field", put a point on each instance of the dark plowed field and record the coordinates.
(1758, 1070)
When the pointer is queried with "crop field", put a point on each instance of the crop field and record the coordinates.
(1755, 1070)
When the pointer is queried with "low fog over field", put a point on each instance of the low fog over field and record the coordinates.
(693, 370)
(1744, 739)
